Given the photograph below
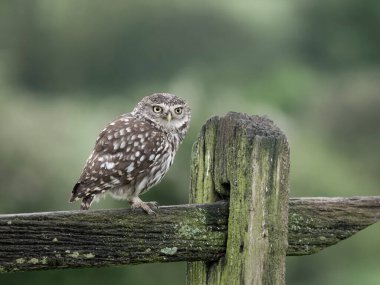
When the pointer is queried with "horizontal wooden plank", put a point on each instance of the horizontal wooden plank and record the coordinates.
(177, 233)
(317, 223)
(111, 237)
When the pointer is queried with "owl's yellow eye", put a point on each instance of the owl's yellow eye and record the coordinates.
(157, 109)
(178, 110)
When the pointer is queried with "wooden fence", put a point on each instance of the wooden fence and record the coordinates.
(238, 229)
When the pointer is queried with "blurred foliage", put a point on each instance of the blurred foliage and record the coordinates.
(69, 67)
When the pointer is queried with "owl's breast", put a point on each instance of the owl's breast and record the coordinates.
(159, 168)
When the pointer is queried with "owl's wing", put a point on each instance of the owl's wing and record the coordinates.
(122, 151)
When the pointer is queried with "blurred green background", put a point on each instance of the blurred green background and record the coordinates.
(69, 67)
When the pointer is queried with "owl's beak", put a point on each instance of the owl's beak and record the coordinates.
(169, 117)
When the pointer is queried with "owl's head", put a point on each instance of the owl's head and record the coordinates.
(166, 110)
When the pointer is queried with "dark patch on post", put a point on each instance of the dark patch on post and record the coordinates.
(241, 248)
(226, 186)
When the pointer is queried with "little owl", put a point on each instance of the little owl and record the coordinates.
(134, 152)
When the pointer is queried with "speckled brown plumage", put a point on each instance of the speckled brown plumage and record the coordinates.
(134, 151)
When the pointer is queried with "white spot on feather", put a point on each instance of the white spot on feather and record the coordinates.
(131, 167)
(107, 165)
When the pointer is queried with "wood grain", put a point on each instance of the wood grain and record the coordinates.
(178, 233)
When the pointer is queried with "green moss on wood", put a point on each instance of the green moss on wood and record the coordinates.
(244, 159)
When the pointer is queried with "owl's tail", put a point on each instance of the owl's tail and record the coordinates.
(75, 192)
(86, 202)
(78, 194)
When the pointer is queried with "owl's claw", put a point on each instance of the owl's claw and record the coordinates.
(152, 205)
(146, 206)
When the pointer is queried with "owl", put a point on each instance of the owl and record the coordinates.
(134, 152)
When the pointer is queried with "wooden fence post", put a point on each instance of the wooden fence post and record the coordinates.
(244, 159)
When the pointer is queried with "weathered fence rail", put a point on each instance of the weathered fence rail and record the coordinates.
(238, 229)
(178, 233)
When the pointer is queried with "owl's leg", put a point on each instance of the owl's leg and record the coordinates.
(148, 207)
(86, 202)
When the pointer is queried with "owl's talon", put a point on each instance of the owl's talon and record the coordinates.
(152, 205)
(146, 206)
